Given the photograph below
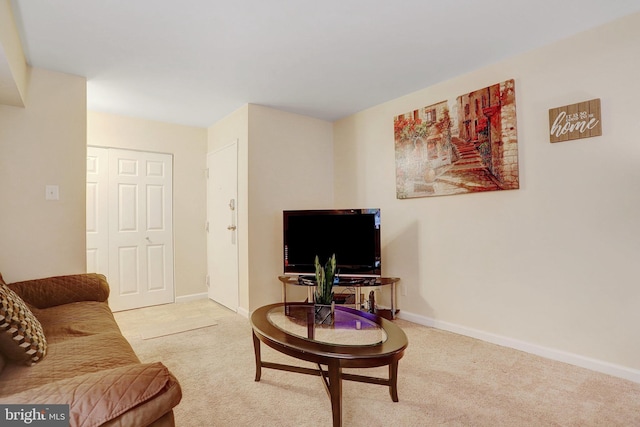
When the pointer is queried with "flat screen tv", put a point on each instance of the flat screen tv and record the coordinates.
(352, 234)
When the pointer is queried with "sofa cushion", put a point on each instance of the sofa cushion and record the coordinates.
(82, 337)
(21, 336)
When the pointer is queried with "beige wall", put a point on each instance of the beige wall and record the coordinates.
(188, 146)
(549, 268)
(44, 143)
(284, 162)
(14, 72)
(290, 167)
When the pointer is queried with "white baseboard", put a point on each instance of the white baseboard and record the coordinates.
(243, 312)
(549, 353)
(192, 297)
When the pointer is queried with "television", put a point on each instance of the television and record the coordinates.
(353, 235)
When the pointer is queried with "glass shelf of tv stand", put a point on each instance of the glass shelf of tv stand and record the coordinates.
(294, 280)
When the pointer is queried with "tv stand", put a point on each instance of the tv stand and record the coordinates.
(351, 282)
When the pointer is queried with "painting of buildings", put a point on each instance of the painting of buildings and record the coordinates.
(459, 146)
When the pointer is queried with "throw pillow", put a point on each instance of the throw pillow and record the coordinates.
(21, 336)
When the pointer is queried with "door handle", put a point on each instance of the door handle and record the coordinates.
(231, 227)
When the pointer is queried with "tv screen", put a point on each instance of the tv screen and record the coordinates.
(352, 234)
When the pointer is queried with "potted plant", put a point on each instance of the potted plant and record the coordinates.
(325, 275)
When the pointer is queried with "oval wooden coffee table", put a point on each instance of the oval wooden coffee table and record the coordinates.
(356, 339)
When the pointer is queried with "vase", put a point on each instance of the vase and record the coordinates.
(324, 314)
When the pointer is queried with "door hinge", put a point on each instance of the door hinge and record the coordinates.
(206, 226)
(206, 173)
(208, 281)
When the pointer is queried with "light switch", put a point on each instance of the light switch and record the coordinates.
(52, 192)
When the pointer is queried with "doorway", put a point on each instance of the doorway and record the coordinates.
(222, 236)
(130, 225)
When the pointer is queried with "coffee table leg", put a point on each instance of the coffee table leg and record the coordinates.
(393, 380)
(335, 390)
(256, 349)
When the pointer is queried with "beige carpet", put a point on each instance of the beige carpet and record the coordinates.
(444, 380)
(175, 327)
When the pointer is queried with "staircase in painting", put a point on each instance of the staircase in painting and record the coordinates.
(468, 172)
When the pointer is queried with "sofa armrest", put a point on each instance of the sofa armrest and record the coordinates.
(52, 291)
(124, 396)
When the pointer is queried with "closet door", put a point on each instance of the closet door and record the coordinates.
(140, 235)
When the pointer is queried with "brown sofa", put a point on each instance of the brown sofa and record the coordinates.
(87, 363)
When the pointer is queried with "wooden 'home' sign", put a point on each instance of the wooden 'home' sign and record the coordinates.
(576, 121)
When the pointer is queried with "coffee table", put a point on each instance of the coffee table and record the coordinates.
(356, 339)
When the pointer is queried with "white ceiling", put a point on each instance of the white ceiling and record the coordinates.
(195, 61)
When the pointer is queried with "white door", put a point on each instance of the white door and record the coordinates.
(222, 239)
(139, 241)
(97, 210)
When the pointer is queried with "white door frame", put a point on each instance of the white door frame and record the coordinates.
(97, 216)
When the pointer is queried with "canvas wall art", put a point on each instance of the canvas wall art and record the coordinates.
(459, 146)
